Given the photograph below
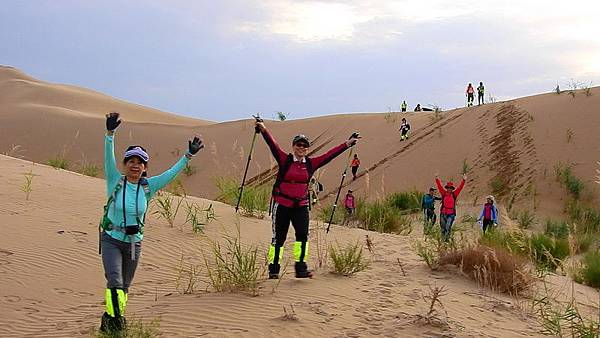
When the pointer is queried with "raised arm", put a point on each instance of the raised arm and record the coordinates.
(276, 150)
(111, 172)
(439, 186)
(322, 160)
(158, 182)
(460, 186)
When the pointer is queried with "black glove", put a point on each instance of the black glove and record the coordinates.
(195, 145)
(258, 119)
(354, 137)
(112, 121)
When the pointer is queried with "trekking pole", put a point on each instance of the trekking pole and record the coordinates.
(337, 197)
(256, 131)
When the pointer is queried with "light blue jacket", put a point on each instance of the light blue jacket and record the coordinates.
(115, 209)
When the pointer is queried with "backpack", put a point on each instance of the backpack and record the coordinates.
(105, 223)
(281, 174)
(449, 202)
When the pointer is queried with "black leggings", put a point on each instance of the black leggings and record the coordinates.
(282, 216)
(487, 223)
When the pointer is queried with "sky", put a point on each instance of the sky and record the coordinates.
(225, 60)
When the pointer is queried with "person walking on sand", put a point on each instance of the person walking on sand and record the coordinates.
(314, 188)
(470, 95)
(354, 166)
(122, 226)
(290, 196)
(489, 214)
(480, 94)
(448, 210)
(349, 203)
(403, 106)
(404, 130)
(418, 107)
(428, 206)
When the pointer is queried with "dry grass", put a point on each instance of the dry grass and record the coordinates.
(495, 268)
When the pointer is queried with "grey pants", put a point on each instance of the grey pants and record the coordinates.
(119, 269)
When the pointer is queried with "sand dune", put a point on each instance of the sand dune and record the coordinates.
(53, 280)
(52, 277)
(518, 141)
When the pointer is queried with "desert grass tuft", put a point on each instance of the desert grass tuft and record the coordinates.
(168, 208)
(136, 328)
(255, 199)
(187, 276)
(347, 260)
(233, 266)
(26, 187)
(495, 268)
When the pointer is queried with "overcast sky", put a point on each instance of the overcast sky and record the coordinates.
(226, 59)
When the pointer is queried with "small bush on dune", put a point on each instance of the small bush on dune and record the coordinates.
(557, 229)
(586, 217)
(234, 267)
(515, 242)
(59, 162)
(347, 260)
(583, 242)
(255, 199)
(495, 268)
(408, 201)
(564, 175)
(324, 214)
(90, 169)
(590, 271)
(525, 219)
(547, 252)
(379, 216)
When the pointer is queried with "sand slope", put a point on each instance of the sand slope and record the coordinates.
(518, 142)
(52, 283)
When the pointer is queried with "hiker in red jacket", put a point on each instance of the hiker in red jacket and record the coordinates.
(290, 196)
(448, 209)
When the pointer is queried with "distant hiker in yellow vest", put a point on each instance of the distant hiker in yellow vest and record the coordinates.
(480, 93)
(403, 106)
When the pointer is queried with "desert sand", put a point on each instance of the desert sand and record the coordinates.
(53, 281)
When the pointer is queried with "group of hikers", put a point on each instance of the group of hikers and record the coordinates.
(470, 92)
(404, 106)
(129, 191)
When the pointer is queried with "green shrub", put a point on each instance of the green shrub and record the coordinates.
(189, 170)
(499, 186)
(515, 242)
(167, 207)
(590, 272)
(255, 199)
(564, 175)
(407, 201)
(547, 252)
(586, 218)
(583, 242)
(59, 162)
(525, 218)
(379, 216)
(347, 260)
(234, 267)
(324, 213)
(90, 169)
(557, 229)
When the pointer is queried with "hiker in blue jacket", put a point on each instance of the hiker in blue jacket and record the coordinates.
(122, 227)
(489, 214)
(428, 206)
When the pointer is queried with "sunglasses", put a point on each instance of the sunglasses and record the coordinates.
(301, 145)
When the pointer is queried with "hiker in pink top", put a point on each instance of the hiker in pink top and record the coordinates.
(470, 95)
(349, 203)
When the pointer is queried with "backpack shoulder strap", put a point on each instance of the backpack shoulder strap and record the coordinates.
(146, 187)
(283, 170)
(309, 167)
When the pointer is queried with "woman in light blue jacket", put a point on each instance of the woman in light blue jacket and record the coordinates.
(122, 228)
(489, 214)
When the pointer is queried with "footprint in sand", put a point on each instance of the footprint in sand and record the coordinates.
(4, 254)
(79, 236)
(66, 291)
(12, 298)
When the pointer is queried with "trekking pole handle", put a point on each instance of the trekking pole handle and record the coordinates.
(257, 118)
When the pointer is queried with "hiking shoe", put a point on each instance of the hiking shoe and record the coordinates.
(302, 270)
(112, 325)
(274, 271)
